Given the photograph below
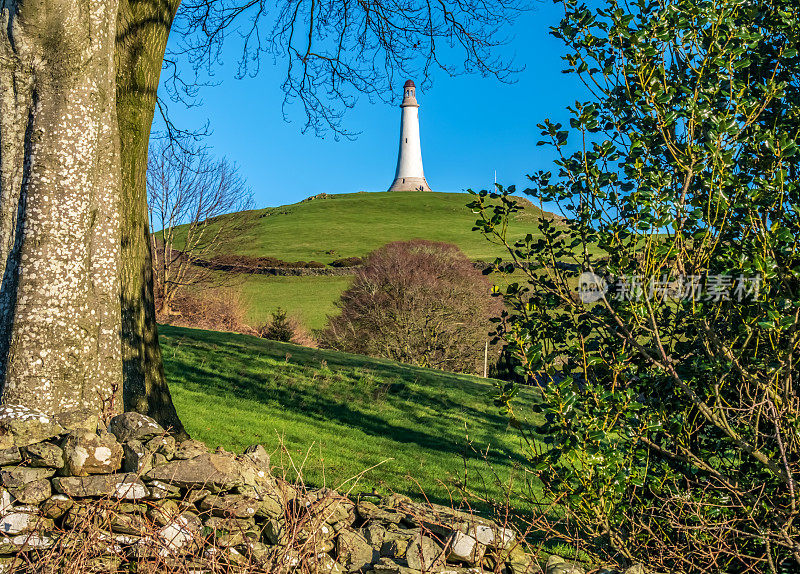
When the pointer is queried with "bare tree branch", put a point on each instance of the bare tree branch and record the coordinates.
(188, 190)
(333, 51)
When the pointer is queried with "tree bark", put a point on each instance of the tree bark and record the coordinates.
(143, 29)
(59, 205)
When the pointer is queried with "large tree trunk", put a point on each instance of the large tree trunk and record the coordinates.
(143, 28)
(59, 205)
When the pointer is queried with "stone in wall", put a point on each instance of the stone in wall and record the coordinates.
(130, 494)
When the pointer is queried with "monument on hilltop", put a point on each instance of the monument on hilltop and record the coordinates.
(409, 175)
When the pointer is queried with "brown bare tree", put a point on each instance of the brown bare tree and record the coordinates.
(79, 82)
(419, 302)
(188, 190)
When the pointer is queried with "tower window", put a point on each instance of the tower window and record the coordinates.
(406, 140)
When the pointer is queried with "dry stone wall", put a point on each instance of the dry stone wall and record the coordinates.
(76, 495)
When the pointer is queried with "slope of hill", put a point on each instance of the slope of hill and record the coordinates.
(339, 414)
(330, 227)
(308, 299)
(335, 226)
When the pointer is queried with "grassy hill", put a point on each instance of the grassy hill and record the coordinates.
(339, 414)
(348, 225)
(309, 299)
(354, 224)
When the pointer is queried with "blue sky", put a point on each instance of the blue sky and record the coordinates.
(470, 126)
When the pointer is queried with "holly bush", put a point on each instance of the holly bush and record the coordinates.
(660, 311)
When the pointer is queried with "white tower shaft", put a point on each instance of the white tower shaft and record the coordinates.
(409, 175)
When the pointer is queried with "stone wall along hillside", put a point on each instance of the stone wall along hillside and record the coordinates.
(130, 498)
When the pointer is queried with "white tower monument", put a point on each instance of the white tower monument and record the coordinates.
(409, 175)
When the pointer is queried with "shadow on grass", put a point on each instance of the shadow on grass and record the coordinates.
(359, 392)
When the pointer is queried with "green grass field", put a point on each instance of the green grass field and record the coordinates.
(354, 224)
(339, 414)
(344, 226)
(309, 299)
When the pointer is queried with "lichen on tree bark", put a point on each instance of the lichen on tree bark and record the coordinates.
(59, 205)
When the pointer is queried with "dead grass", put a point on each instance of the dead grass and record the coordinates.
(214, 309)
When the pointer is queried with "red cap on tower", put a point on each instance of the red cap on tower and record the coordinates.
(409, 99)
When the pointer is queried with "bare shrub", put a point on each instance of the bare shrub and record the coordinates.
(188, 190)
(419, 302)
(219, 309)
(303, 336)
